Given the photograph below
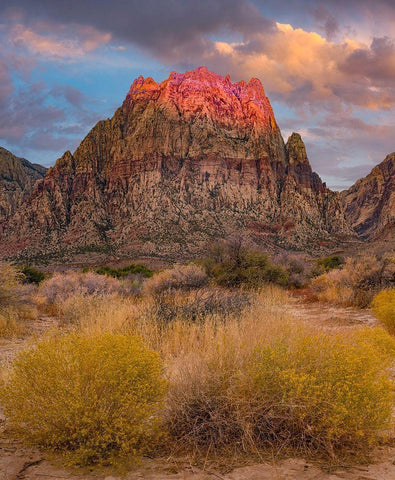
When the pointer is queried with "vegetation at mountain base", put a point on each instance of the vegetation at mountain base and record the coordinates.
(383, 305)
(325, 264)
(127, 271)
(186, 364)
(233, 265)
(32, 274)
(356, 282)
(17, 306)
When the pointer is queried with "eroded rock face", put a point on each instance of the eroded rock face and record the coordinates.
(370, 203)
(17, 178)
(181, 163)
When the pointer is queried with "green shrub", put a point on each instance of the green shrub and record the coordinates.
(245, 268)
(384, 308)
(325, 264)
(93, 398)
(32, 275)
(122, 272)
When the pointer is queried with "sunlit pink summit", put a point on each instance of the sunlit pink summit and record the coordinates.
(200, 92)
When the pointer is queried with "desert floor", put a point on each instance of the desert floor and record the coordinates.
(21, 463)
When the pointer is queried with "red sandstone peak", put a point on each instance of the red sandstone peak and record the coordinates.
(201, 91)
(193, 158)
(141, 84)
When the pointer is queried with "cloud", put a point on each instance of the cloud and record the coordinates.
(6, 86)
(329, 63)
(26, 111)
(68, 42)
(376, 62)
(164, 28)
(297, 66)
(344, 149)
(327, 21)
(72, 95)
(305, 69)
(37, 117)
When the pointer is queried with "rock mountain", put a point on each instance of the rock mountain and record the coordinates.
(17, 178)
(181, 163)
(370, 203)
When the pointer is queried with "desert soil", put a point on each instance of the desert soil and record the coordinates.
(21, 463)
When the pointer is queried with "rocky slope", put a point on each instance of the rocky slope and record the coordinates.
(370, 203)
(17, 178)
(181, 163)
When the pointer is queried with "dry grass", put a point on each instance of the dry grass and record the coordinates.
(259, 379)
(16, 306)
(355, 283)
(250, 379)
(185, 277)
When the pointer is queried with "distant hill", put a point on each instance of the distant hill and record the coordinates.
(369, 204)
(17, 178)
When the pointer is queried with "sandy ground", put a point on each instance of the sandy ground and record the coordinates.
(20, 463)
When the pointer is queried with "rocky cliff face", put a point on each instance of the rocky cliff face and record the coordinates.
(370, 203)
(181, 163)
(17, 178)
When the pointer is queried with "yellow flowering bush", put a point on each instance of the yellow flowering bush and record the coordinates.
(92, 398)
(322, 392)
(384, 308)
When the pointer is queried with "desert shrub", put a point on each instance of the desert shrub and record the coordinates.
(125, 272)
(297, 269)
(10, 278)
(183, 277)
(235, 266)
(312, 393)
(355, 284)
(94, 398)
(16, 304)
(32, 275)
(199, 304)
(325, 264)
(62, 286)
(12, 322)
(383, 305)
(293, 389)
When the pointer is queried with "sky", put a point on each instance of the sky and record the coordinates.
(328, 68)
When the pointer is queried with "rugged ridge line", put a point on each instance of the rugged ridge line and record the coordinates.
(17, 178)
(369, 204)
(182, 162)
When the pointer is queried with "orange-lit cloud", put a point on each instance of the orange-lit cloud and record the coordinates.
(65, 43)
(304, 67)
